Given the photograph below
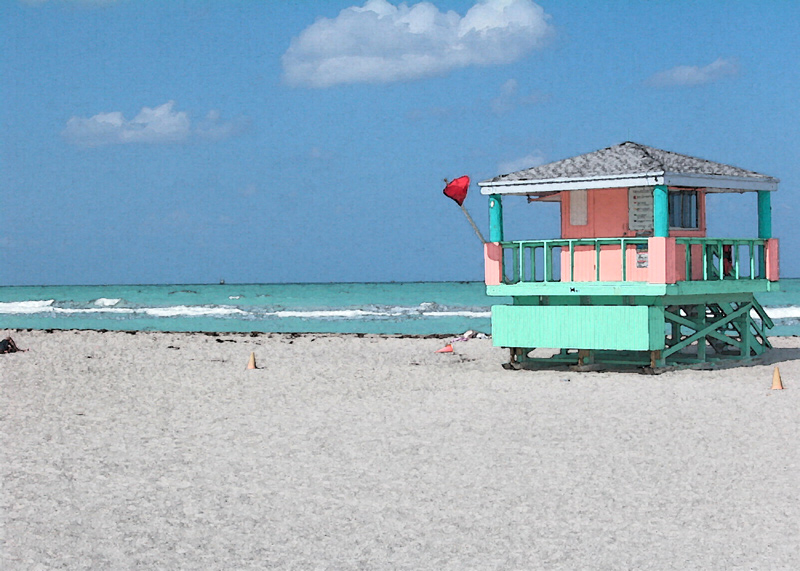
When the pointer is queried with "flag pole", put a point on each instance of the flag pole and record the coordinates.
(472, 222)
(457, 190)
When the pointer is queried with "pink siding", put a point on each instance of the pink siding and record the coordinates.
(772, 259)
(663, 268)
(493, 263)
(610, 264)
(680, 262)
(697, 262)
(584, 264)
(635, 274)
(607, 215)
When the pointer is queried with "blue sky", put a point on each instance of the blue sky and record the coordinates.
(187, 141)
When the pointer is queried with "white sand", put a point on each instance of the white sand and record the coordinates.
(160, 451)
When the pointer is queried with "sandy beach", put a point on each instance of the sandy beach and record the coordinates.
(161, 451)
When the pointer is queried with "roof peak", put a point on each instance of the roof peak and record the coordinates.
(629, 164)
(629, 160)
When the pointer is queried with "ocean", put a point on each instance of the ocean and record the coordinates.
(415, 308)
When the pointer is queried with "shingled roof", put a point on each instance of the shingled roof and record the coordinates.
(629, 164)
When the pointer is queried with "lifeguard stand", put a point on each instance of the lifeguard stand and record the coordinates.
(633, 279)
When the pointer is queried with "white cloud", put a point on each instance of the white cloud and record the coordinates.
(534, 159)
(510, 98)
(383, 43)
(214, 128)
(690, 75)
(162, 124)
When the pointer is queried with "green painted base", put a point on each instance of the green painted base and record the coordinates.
(667, 331)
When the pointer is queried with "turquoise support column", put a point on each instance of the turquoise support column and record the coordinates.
(764, 214)
(660, 212)
(495, 218)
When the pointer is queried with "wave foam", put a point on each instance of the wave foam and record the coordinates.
(26, 307)
(423, 310)
(476, 314)
(329, 314)
(192, 311)
(783, 312)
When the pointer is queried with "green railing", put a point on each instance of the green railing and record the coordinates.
(531, 261)
(725, 258)
(540, 260)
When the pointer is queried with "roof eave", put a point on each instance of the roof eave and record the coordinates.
(713, 183)
(572, 183)
(721, 183)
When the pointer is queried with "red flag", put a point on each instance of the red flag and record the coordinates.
(457, 189)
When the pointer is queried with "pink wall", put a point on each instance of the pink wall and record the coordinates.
(610, 264)
(608, 215)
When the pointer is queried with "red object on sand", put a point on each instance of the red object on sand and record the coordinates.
(457, 189)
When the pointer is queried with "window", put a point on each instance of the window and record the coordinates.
(683, 211)
(579, 208)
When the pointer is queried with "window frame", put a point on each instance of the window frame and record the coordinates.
(688, 206)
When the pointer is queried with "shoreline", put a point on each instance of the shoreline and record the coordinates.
(267, 334)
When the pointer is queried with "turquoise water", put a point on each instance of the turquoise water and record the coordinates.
(386, 308)
(402, 308)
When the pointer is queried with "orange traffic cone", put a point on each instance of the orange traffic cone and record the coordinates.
(777, 384)
(251, 364)
(446, 349)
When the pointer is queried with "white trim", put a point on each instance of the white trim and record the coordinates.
(560, 184)
(712, 183)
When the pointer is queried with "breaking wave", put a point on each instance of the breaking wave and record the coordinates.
(116, 307)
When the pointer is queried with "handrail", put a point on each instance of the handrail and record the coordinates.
(523, 256)
(717, 253)
(721, 258)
